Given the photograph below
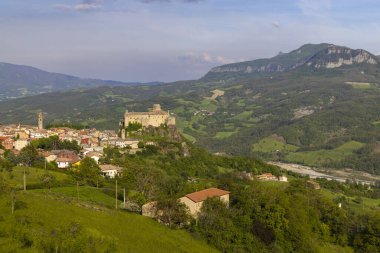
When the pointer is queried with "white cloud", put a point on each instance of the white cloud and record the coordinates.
(314, 7)
(87, 5)
(203, 58)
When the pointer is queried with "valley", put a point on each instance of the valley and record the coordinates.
(324, 117)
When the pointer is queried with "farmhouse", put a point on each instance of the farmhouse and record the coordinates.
(109, 170)
(267, 177)
(194, 201)
(313, 185)
(155, 117)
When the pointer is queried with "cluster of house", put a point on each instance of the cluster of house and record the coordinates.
(92, 142)
(16, 137)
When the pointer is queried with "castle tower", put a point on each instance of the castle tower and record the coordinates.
(40, 121)
(156, 107)
(123, 133)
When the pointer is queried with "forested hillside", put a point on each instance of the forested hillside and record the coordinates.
(74, 210)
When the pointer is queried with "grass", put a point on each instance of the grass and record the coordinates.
(223, 135)
(320, 157)
(366, 206)
(33, 175)
(243, 115)
(86, 193)
(361, 85)
(189, 137)
(130, 232)
(241, 103)
(271, 144)
(209, 104)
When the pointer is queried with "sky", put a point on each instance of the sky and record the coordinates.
(170, 40)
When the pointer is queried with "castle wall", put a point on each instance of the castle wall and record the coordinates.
(146, 120)
(155, 118)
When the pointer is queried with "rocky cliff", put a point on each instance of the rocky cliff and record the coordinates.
(336, 56)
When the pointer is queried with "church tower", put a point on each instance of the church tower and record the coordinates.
(40, 121)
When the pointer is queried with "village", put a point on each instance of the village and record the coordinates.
(93, 142)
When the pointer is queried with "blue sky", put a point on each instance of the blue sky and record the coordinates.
(168, 40)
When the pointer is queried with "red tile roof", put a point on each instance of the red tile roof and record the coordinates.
(205, 194)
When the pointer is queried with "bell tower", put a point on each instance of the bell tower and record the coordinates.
(40, 121)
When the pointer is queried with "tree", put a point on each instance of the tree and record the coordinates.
(48, 180)
(173, 213)
(88, 171)
(54, 142)
(29, 155)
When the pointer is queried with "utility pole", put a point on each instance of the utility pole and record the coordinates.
(77, 190)
(24, 179)
(124, 198)
(13, 200)
(116, 195)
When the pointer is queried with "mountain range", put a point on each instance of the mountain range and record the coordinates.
(317, 105)
(19, 81)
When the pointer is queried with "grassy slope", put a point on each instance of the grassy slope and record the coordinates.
(367, 204)
(131, 232)
(33, 175)
(86, 193)
(270, 144)
(319, 157)
(59, 206)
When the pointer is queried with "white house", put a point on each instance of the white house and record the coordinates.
(63, 162)
(94, 155)
(109, 170)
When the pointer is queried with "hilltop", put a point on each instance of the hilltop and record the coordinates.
(318, 106)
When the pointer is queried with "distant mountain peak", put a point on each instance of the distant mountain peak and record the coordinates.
(319, 56)
(337, 56)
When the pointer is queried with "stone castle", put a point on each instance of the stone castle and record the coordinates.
(155, 117)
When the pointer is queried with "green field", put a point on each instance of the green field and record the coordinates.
(319, 157)
(367, 204)
(209, 104)
(271, 144)
(33, 175)
(86, 193)
(362, 85)
(223, 135)
(128, 232)
(243, 115)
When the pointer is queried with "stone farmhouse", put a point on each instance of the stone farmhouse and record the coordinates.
(155, 117)
(194, 201)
